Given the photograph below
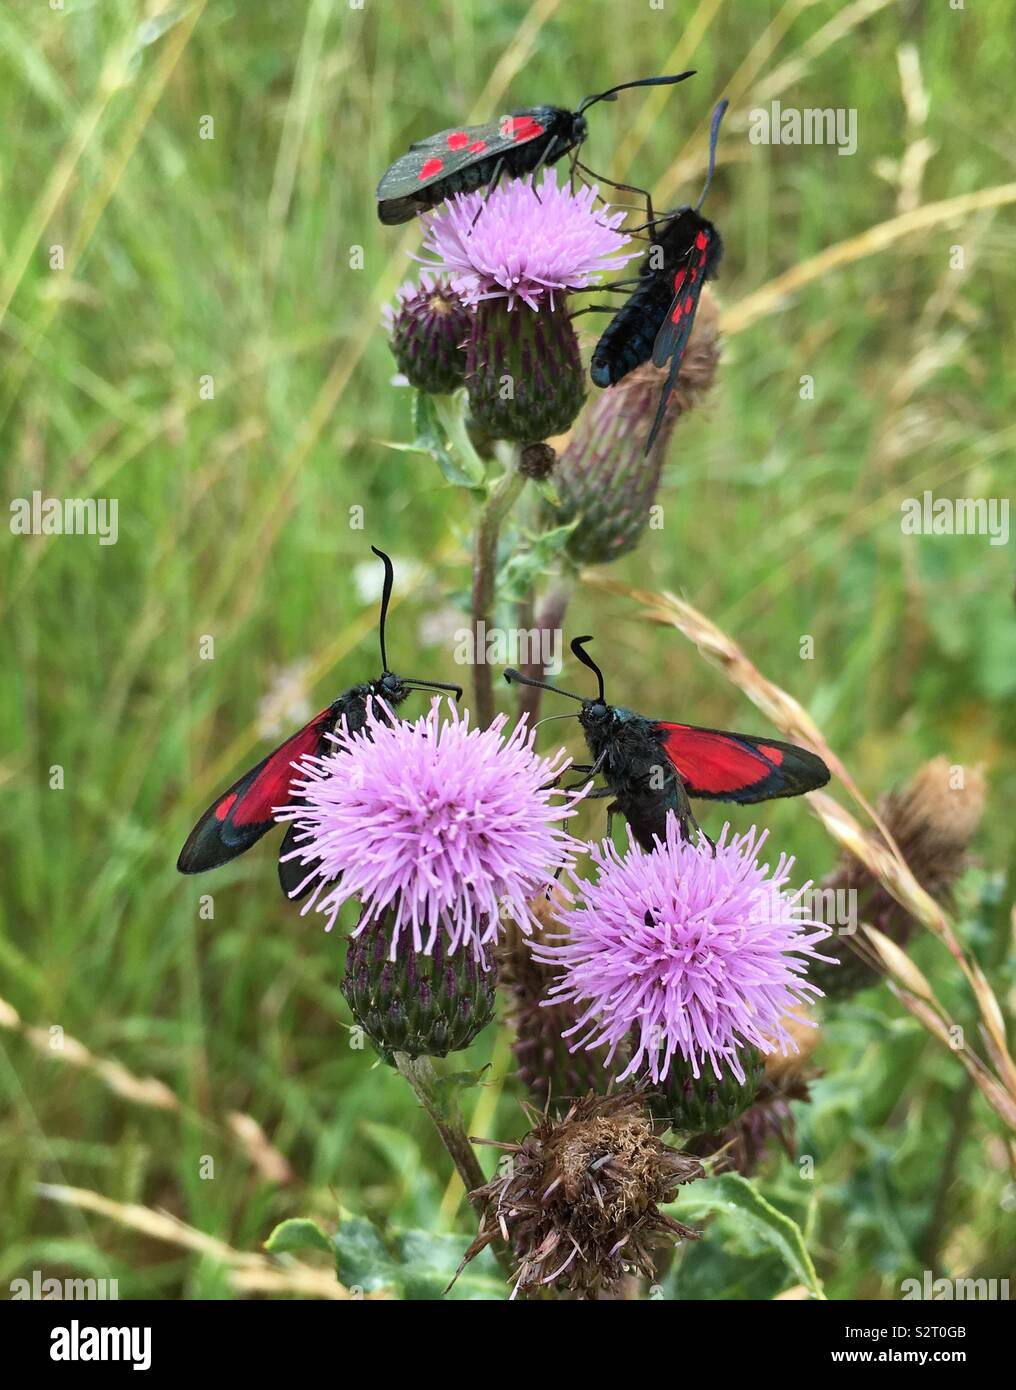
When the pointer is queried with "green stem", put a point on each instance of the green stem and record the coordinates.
(420, 1073)
(503, 496)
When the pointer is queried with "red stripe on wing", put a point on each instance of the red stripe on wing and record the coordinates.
(724, 766)
(269, 785)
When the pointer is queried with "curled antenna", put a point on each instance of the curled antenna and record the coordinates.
(514, 677)
(714, 135)
(577, 646)
(611, 93)
(386, 594)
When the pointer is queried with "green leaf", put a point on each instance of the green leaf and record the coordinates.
(521, 570)
(298, 1233)
(732, 1195)
(441, 434)
(419, 1264)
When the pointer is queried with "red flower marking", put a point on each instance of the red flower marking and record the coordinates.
(700, 241)
(222, 810)
(431, 167)
(477, 146)
(458, 140)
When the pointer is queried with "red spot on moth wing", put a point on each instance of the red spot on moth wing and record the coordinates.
(700, 241)
(678, 279)
(677, 312)
(222, 810)
(774, 754)
(520, 127)
(431, 167)
(687, 305)
(477, 146)
(458, 140)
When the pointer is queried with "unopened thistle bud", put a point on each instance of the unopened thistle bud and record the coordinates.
(579, 1199)
(428, 333)
(933, 820)
(604, 479)
(514, 257)
(423, 1005)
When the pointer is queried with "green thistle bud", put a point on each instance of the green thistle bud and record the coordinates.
(604, 478)
(417, 1004)
(703, 1104)
(428, 331)
(523, 371)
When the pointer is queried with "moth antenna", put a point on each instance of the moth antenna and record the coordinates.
(549, 719)
(514, 677)
(413, 684)
(714, 135)
(577, 647)
(386, 594)
(611, 92)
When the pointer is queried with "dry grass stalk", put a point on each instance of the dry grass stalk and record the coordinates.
(883, 861)
(246, 1272)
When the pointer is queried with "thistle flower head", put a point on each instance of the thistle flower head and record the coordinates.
(578, 1200)
(692, 952)
(428, 329)
(514, 246)
(453, 828)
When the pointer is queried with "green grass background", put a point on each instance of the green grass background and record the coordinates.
(230, 257)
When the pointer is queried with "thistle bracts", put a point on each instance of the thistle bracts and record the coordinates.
(428, 331)
(933, 822)
(579, 1198)
(423, 1005)
(705, 1104)
(524, 374)
(604, 479)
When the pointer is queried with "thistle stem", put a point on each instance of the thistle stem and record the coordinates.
(551, 616)
(420, 1073)
(503, 496)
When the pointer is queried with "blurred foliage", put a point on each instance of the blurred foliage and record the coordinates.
(230, 258)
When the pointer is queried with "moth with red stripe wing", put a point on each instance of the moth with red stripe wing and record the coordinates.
(652, 767)
(656, 320)
(238, 818)
(465, 158)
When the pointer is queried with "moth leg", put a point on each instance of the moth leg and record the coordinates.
(495, 180)
(626, 188)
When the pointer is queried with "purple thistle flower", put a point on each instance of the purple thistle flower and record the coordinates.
(451, 828)
(687, 952)
(521, 248)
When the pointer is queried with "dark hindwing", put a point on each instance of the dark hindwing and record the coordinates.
(721, 766)
(240, 816)
(627, 341)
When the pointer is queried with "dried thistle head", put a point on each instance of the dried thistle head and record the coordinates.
(933, 819)
(578, 1199)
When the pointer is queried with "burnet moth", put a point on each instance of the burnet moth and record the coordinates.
(465, 158)
(239, 816)
(652, 766)
(656, 320)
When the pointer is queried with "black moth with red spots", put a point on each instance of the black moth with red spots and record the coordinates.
(238, 817)
(652, 767)
(656, 321)
(466, 158)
